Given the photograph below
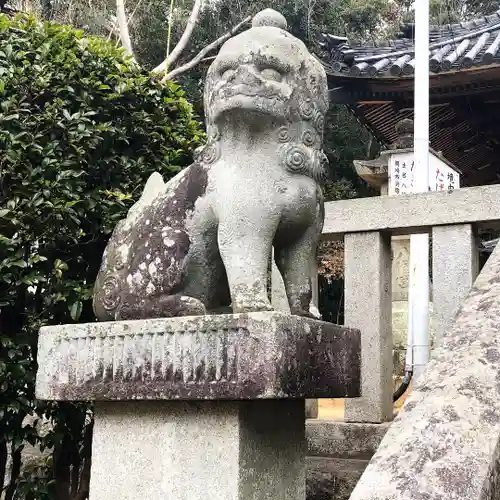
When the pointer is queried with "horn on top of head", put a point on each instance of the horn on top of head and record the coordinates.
(269, 17)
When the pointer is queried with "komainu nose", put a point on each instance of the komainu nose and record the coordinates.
(245, 75)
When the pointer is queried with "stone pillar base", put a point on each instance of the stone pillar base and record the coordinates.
(338, 453)
(400, 333)
(249, 450)
(267, 355)
(201, 407)
(312, 408)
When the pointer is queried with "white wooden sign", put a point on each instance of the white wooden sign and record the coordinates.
(442, 177)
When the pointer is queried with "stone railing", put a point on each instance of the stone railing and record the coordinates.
(366, 225)
(445, 443)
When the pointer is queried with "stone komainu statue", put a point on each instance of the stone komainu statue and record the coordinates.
(203, 240)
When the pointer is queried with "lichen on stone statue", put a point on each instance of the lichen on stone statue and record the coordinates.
(203, 240)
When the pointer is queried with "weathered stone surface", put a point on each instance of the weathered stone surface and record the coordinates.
(203, 240)
(413, 213)
(368, 307)
(250, 450)
(446, 442)
(332, 478)
(338, 453)
(455, 266)
(247, 356)
(343, 439)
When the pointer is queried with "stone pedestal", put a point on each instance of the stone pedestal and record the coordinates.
(200, 407)
(279, 301)
(199, 450)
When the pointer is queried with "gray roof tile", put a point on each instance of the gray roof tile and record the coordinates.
(452, 47)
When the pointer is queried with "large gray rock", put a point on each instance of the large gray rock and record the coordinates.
(204, 239)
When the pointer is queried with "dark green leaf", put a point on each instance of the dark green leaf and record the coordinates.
(19, 263)
(76, 310)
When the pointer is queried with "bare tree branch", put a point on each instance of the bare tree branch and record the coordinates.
(174, 55)
(191, 64)
(3, 458)
(170, 23)
(123, 27)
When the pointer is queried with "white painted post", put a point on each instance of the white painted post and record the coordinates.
(418, 297)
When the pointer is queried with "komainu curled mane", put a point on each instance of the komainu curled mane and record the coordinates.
(203, 240)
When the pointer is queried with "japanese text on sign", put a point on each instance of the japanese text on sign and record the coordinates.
(402, 175)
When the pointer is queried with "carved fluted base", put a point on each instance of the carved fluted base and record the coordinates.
(265, 355)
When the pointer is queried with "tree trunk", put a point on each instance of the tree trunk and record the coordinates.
(62, 467)
(16, 469)
(3, 463)
(191, 64)
(123, 27)
(86, 456)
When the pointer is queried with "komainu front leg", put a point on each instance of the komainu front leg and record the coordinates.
(294, 262)
(246, 259)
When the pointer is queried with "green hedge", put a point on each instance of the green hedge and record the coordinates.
(81, 129)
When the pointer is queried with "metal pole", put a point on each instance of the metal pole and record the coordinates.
(418, 328)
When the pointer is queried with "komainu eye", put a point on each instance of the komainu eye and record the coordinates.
(271, 74)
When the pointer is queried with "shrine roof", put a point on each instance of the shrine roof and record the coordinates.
(453, 47)
(376, 82)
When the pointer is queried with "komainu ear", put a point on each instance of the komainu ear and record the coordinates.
(153, 187)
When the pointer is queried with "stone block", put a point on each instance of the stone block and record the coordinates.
(266, 355)
(343, 439)
(332, 478)
(368, 308)
(455, 265)
(400, 267)
(157, 450)
(338, 453)
(413, 213)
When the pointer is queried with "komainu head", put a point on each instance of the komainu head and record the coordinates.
(267, 77)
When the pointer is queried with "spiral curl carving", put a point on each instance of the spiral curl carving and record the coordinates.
(306, 109)
(295, 158)
(308, 138)
(210, 153)
(284, 134)
(319, 121)
(111, 293)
